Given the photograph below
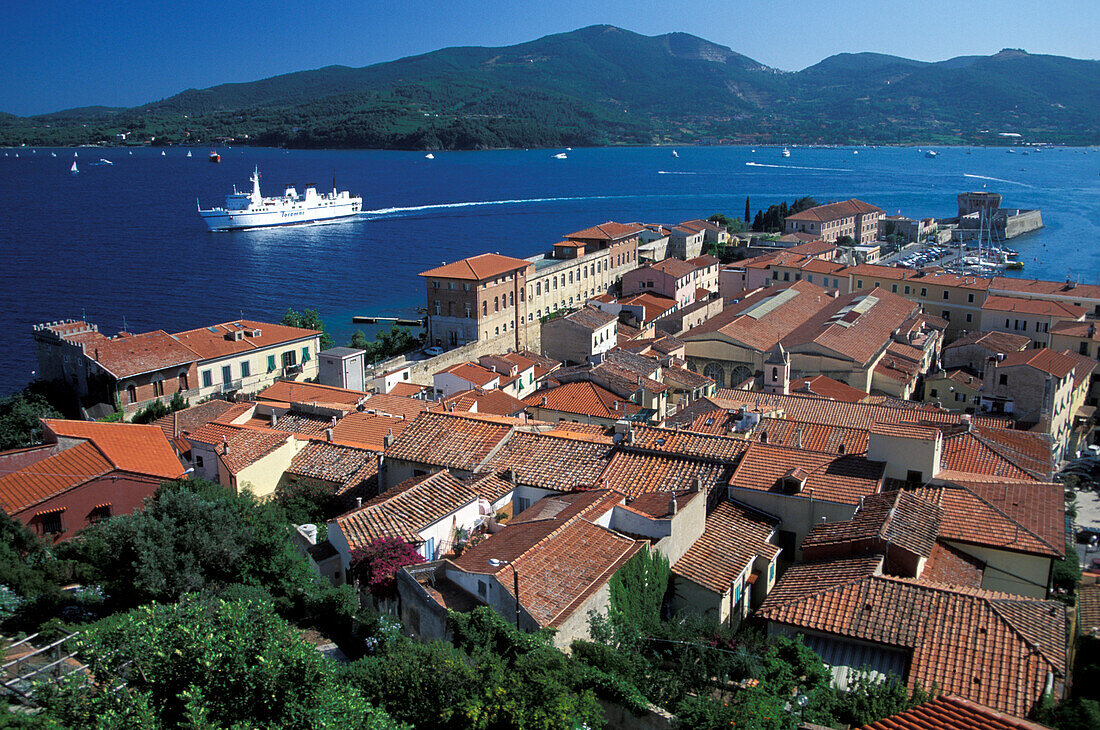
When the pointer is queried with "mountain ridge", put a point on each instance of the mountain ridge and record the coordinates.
(605, 85)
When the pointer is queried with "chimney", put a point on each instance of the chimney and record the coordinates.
(387, 440)
(544, 400)
(328, 435)
(334, 421)
(630, 436)
(968, 422)
(358, 502)
(672, 503)
(696, 485)
(225, 446)
(274, 419)
(798, 438)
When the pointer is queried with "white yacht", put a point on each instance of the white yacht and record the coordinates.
(252, 210)
(786, 152)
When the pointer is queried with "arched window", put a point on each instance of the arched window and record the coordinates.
(740, 374)
(512, 299)
(183, 381)
(775, 373)
(131, 393)
(714, 371)
(485, 308)
(496, 304)
(538, 288)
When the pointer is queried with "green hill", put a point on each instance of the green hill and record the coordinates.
(605, 85)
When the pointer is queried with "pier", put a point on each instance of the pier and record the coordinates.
(388, 320)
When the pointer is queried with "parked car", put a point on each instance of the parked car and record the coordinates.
(433, 350)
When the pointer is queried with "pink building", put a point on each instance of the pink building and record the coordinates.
(670, 278)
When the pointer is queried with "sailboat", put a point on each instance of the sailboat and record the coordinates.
(675, 153)
(429, 156)
(188, 153)
(162, 153)
(73, 169)
(75, 155)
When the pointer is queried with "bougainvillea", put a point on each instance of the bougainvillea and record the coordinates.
(376, 565)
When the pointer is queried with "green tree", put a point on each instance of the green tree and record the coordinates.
(868, 700)
(309, 319)
(19, 424)
(309, 502)
(27, 569)
(845, 240)
(212, 663)
(748, 212)
(193, 536)
(160, 409)
(638, 591)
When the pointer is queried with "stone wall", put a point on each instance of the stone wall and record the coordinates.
(421, 371)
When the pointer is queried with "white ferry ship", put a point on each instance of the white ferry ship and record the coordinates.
(251, 210)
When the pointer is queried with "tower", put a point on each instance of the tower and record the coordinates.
(777, 371)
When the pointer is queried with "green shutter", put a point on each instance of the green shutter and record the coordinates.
(270, 363)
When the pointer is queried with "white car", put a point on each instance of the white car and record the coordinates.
(433, 350)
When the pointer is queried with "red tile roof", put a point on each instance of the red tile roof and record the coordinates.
(832, 477)
(551, 462)
(390, 404)
(248, 445)
(764, 317)
(210, 343)
(128, 355)
(834, 211)
(677, 442)
(1047, 288)
(561, 560)
(1088, 600)
(610, 231)
(51, 476)
(583, 398)
(634, 474)
(407, 390)
(1086, 330)
(994, 648)
(676, 268)
(345, 466)
(471, 373)
(405, 510)
(735, 535)
(495, 402)
(368, 430)
(478, 268)
(949, 712)
(855, 326)
(896, 518)
(993, 341)
(1043, 307)
(826, 387)
(954, 567)
(291, 391)
(653, 305)
(1020, 517)
(191, 419)
(139, 449)
(449, 440)
(1043, 359)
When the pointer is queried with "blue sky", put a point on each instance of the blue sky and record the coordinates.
(60, 54)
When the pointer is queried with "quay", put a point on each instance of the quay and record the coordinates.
(388, 320)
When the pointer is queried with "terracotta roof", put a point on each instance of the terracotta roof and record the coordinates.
(949, 712)
(764, 317)
(704, 261)
(368, 430)
(472, 373)
(478, 268)
(684, 379)
(191, 419)
(1083, 367)
(814, 247)
(633, 473)
(291, 391)
(345, 466)
(1086, 330)
(949, 565)
(1043, 359)
(658, 504)
(128, 355)
(212, 342)
(609, 231)
(895, 518)
(405, 510)
(1088, 600)
(248, 445)
(551, 462)
(561, 560)
(587, 431)
(995, 648)
(140, 449)
(962, 377)
(495, 402)
(1043, 307)
(52, 475)
(653, 305)
(590, 318)
(407, 390)
(906, 431)
(735, 535)
(834, 211)
(449, 440)
(676, 268)
(993, 341)
(390, 404)
(826, 387)
(1021, 517)
(1048, 288)
(583, 398)
(856, 326)
(995, 452)
(832, 477)
(686, 443)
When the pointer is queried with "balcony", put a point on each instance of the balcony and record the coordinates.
(292, 371)
(227, 386)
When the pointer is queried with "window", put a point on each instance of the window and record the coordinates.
(894, 288)
(485, 308)
(465, 287)
(970, 318)
(131, 393)
(859, 283)
(496, 304)
(98, 514)
(198, 462)
(437, 307)
(511, 299)
(208, 376)
(305, 354)
(227, 375)
(289, 359)
(786, 276)
(946, 315)
(538, 288)
(924, 291)
(183, 381)
(1003, 380)
(51, 523)
(270, 363)
(775, 275)
(970, 298)
(914, 476)
(906, 289)
(467, 310)
(158, 388)
(933, 393)
(946, 295)
(435, 285)
(482, 588)
(1084, 348)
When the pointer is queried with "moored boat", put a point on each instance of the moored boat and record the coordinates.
(214, 156)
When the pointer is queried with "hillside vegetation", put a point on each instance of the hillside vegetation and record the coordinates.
(604, 85)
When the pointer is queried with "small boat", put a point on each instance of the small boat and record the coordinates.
(754, 152)
(103, 161)
(53, 154)
(786, 152)
(75, 155)
(17, 154)
(131, 153)
(560, 156)
(568, 149)
(855, 152)
(73, 169)
(675, 153)
(214, 156)
(931, 154)
(162, 153)
(1011, 151)
(188, 153)
(429, 156)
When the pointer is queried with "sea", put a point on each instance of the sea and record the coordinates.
(121, 244)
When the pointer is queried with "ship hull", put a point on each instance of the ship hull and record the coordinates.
(231, 220)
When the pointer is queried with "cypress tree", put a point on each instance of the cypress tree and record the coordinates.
(748, 211)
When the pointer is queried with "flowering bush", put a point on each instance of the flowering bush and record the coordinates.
(377, 564)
